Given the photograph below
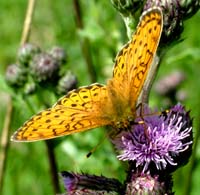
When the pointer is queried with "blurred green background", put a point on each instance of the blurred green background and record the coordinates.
(27, 168)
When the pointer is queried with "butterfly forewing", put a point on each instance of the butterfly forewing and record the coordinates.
(134, 60)
(145, 45)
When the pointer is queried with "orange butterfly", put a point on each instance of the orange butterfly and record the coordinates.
(98, 105)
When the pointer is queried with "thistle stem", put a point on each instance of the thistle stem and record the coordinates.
(8, 119)
(53, 166)
(193, 161)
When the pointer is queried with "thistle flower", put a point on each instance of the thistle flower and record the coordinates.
(44, 66)
(162, 142)
(78, 184)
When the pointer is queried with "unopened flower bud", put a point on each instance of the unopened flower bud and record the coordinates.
(145, 184)
(83, 184)
(174, 13)
(67, 83)
(128, 7)
(26, 53)
(15, 75)
(44, 66)
(59, 54)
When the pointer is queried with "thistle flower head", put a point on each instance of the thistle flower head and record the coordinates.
(161, 141)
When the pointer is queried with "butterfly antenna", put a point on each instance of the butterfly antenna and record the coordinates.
(95, 148)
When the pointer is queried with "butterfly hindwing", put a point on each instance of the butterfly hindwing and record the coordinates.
(78, 111)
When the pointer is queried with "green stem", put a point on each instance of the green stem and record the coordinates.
(53, 165)
(85, 43)
(193, 161)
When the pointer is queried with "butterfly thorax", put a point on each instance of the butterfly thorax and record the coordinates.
(120, 105)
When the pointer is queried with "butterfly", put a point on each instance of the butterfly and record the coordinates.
(113, 104)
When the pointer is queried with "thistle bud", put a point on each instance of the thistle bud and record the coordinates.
(174, 13)
(15, 75)
(130, 11)
(84, 184)
(145, 184)
(59, 54)
(128, 7)
(67, 83)
(44, 66)
(26, 53)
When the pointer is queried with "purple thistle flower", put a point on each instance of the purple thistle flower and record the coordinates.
(161, 140)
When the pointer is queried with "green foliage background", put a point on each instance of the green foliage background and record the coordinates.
(27, 168)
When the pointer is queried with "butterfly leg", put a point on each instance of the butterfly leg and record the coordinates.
(95, 148)
(141, 107)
